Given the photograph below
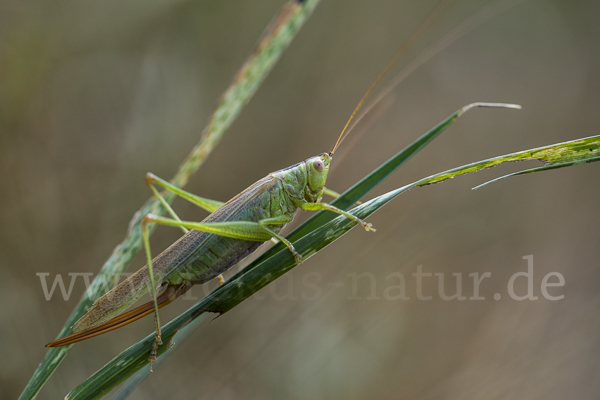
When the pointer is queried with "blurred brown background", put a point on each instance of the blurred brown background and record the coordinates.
(95, 94)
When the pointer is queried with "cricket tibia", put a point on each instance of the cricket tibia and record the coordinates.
(170, 293)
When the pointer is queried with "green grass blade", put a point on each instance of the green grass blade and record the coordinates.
(270, 47)
(560, 155)
(539, 169)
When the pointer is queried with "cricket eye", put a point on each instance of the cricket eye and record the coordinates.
(319, 166)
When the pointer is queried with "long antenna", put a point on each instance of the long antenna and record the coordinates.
(425, 24)
(481, 16)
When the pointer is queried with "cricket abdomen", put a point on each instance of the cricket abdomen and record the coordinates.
(214, 256)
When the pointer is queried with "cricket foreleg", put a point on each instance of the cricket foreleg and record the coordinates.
(329, 207)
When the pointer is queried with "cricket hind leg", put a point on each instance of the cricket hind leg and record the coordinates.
(245, 230)
(206, 204)
(170, 293)
(158, 335)
(155, 304)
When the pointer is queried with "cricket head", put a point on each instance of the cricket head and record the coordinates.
(317, 168)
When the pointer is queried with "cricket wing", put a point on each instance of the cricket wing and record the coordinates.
(170, 294)
(118, 299)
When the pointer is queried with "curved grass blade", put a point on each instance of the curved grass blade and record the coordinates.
(274, 41)
(313, 235)
(560, 155)
(539, 169)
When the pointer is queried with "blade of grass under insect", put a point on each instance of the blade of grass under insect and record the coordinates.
(274, 41)
(182, 335)
(249, 281)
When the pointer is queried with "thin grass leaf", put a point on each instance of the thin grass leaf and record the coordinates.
(539, 169)
(560, 155)
(313, 235)
(274, 41)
